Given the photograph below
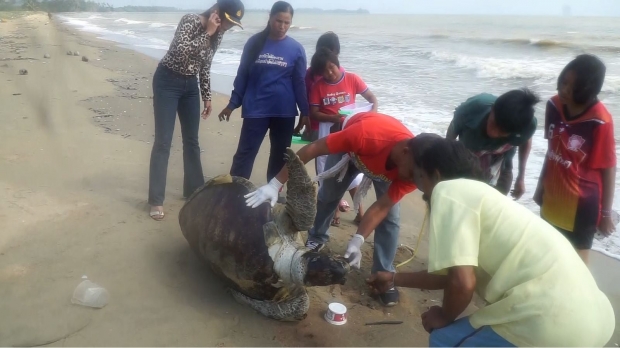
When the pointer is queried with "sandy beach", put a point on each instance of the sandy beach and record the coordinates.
(74, 155)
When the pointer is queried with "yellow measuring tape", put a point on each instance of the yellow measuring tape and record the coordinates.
(417, 243)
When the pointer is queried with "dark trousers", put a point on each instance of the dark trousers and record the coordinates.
(504, 182)
(330, 194)
(174, 93)
(253, 132)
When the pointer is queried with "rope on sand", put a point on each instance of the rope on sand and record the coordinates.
(417, 244)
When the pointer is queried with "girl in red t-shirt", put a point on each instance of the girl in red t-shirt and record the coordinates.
(330, 41)
(335, 90)
(577, 183)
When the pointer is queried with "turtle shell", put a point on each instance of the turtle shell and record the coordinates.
(229, 236)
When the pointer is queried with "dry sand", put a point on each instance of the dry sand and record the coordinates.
(75, 143)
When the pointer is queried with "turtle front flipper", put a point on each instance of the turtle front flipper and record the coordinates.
(294, 307)
(300, 193)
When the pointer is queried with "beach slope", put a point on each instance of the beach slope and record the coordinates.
(75, 144)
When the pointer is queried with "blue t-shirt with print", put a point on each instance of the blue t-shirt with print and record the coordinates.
(273, 85)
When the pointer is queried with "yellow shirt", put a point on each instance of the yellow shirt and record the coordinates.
(538, 291)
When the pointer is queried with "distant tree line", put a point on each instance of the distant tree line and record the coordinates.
(55, 6)
(75, 6)
(93, 6)
(317, 10)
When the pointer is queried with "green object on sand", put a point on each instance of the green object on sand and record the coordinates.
(297, 140)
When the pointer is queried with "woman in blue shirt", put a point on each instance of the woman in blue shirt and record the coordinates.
(270, 88)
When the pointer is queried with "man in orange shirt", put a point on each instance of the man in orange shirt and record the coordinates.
(379, 146)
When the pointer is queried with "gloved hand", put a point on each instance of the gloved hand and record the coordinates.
(264, 193)
(354, 252)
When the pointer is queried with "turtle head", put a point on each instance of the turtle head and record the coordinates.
(324, 269)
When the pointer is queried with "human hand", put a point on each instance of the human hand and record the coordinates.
(434, 319)
(354, 252)
(213, 23)
(225, 114)
(381, 282)
(519, 188)
(337, 119)
(297, 130)
(264, 193)
(305, 121)
(207, 111)
(607, 226)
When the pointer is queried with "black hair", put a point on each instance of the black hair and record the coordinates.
(319, 61)
(330, 41)
(261, 38)
(589, 77)
(207, 15)
(208, 12)
(514, 110)
(450, 158)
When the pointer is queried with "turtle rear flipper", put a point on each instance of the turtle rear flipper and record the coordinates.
(292, 309)
(300, 193)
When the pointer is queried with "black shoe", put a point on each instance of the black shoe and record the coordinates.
(314, 246)
(389, 298)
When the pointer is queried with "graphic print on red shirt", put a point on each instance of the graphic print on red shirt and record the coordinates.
(310, 80)
(578, 150)
(330, 97)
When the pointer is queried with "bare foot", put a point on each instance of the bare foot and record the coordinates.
(336, 221)
(157, 213)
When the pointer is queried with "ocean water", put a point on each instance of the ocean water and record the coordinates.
(419, 67)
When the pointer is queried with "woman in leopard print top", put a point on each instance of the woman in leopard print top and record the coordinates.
(176, 90)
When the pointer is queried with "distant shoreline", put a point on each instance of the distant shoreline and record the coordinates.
(91, 6)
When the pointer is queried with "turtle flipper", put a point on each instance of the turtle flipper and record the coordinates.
(300, 193)
(293, 309)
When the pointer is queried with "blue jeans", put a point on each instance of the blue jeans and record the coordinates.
(253, 132)
(330, 194)
(462, 334)
(174, 93)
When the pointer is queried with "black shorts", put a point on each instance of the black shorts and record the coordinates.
(581, 239)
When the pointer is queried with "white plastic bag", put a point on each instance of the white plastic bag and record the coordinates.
(90, 294)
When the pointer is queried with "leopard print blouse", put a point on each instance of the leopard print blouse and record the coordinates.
(191, 52)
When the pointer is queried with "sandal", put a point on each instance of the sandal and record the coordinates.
(157, 215)
(336, 222)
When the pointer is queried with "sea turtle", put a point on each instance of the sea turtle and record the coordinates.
(259, 252)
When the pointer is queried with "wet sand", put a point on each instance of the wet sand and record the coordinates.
(75, 144)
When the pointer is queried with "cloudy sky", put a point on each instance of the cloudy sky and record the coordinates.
(520, 7)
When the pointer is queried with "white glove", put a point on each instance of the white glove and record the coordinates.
(354, 252)
(264, 193)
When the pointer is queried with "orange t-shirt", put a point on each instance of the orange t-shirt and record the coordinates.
(369, 138)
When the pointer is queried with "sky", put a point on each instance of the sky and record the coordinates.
(510, 7)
